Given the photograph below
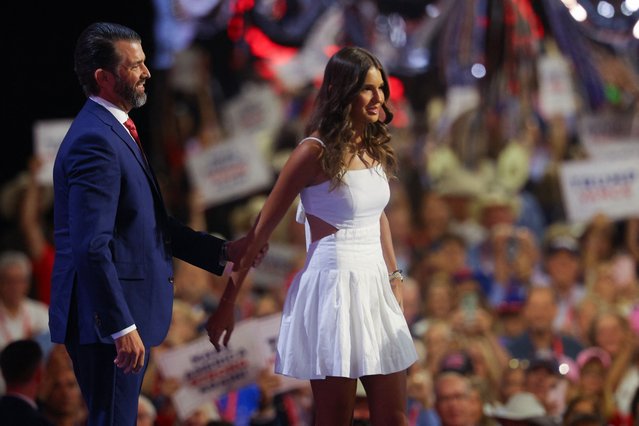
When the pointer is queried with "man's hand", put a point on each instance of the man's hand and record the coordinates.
(130, 352)
(237, 249)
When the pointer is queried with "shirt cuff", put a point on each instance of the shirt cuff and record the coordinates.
(123, 332)
(224, 255)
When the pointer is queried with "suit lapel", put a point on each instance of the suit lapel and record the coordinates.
(122, 133)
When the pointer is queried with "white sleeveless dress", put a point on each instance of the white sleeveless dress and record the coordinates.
(340, 317)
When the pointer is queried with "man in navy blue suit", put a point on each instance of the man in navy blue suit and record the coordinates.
(112, 283)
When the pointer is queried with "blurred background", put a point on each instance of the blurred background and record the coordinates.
(467, 76)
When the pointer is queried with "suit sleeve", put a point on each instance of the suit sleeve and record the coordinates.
(195, 247)
(94, 180)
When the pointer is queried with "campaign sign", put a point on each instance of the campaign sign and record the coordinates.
(556, 92)
(205, 374)
(608, 187)
(228, 171)
(277, 265)
(609, 136)
(47, 137)
(267, 329)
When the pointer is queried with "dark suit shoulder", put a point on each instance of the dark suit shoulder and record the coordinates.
(15, 411)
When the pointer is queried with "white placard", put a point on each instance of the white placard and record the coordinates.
(47, 137)
(276, 266)
(268, 329)
(227, 171)
(612, 149)
(608, 187)
(205, 374)
(556, 92)
(257, 109)
(609, 136)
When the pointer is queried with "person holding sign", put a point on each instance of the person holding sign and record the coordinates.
(342, 318)
(112, 282)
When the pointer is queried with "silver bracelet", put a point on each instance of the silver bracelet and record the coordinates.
(396, 274)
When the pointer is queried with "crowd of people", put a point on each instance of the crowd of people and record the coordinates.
(547, 331)
(517, 315)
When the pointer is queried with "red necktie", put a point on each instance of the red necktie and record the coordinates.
(130, 125)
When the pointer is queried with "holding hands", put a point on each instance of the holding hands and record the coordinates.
(237, 248)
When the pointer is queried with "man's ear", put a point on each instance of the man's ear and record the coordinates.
(102, 76)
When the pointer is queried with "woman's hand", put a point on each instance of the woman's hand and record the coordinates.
(398, 290)
(222, 321)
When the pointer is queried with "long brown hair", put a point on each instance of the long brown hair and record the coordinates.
(344, 78)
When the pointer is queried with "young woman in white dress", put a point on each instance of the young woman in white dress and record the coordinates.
(342, 319)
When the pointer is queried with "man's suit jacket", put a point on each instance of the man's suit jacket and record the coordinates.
(114, 240)
(15, 411)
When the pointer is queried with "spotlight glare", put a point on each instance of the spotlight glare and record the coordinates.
(605, 9)
(478, 70)
(432, 11)
(578, 13)
(631, 5)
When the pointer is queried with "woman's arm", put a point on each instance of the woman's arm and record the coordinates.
(300, 170)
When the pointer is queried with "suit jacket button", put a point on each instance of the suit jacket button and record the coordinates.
(97, 319)
(171, 280)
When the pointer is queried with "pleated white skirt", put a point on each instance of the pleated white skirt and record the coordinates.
(340, 317)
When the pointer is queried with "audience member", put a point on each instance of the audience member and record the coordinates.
(509, 320)
(513, 380)
(20, 316)
(540, 310)
(593, 365)
(611, 332)
(36, 229)
(597, 241)
(21, 364)
(437, 340)
(580, 408)
(60, 398)
(459, 189)
(183, 329)
(562, 265)
(544, 380)
(437, 302)
(412, 302)
(494, 255)
(432, 218)
(146, 412)
(452, 391)
(480, 396)
(421, 410)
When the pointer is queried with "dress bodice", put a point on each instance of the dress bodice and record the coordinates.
(358, 201)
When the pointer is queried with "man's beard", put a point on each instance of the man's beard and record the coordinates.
(129, 94)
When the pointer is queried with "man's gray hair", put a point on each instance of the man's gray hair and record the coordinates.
(14, 257)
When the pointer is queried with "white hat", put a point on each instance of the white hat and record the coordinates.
(522, 406)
